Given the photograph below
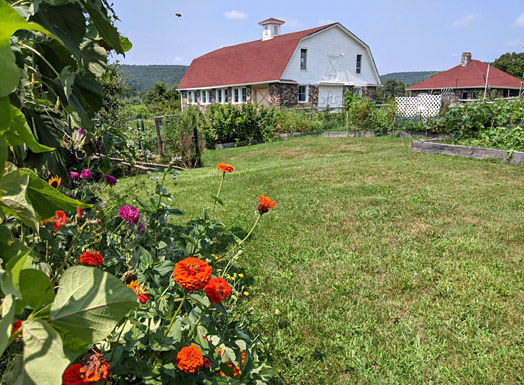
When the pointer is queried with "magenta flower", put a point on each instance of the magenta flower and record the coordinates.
(110, 180)
(80, 132)
(141, 227)
(74, 175)
(129, 214)
(86, 174)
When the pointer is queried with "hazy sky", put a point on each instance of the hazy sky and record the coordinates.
(422, 35)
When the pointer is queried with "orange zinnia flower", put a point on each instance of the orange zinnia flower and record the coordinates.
(217, 290)
(96, 368)
(61, 219)
(236, 370)
(139, 290)
(78, 211)
(72, 376)
(192, 273)
(189, 359)
(265, 205)
(91, 258)
(224, 167)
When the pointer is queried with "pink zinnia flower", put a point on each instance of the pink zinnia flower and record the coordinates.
(74, 175)
(129, 214)
(86, 174)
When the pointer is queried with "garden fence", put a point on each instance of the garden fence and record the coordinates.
(422, 106)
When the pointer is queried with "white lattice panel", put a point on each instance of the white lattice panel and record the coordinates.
(422, 105)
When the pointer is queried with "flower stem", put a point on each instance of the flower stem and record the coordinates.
(218, 193)
(174, 316)
(198, 321)
(238, 244)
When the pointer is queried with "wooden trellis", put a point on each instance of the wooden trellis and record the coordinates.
(424, 106)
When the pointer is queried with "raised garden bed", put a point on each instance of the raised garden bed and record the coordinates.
(470, 152)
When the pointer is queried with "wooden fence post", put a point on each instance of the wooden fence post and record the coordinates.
(160, 146)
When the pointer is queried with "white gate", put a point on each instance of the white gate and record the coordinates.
(329, 96)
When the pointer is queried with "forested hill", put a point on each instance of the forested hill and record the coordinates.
(144, 77)
(407, 77)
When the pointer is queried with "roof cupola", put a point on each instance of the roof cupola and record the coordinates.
(271, 28)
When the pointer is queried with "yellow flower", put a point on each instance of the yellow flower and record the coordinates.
(55, 181)
(246, 293)
(241, 275)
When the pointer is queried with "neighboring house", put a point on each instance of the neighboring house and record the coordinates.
(311, 68)
(468, 81)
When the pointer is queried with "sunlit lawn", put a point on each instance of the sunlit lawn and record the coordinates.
(378, 266)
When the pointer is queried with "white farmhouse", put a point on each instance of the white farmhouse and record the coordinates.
(311, 68)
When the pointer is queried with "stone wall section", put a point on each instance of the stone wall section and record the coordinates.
(283, 95)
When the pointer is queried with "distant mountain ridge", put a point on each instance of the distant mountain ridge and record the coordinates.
(144, 77)
(407, 77)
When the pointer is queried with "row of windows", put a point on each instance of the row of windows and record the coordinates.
(221, 96)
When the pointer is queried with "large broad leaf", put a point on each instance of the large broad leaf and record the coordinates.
(5, 113)
(90, 303)
(10, 280)
(6, 324)
(66, 21)
(45, 199)
(11, 22)
(19, 132)
(44, 357)
(13, 188)
(3, 156)
(97, 14)
(36, 288)
(94, 57)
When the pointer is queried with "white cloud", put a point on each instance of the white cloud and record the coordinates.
(325, 21)
(292, 23)
(178, 59)
(235, 15)
(464, 20)
(520, 20)
(515, 43)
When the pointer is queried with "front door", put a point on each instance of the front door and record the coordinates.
(329, 96)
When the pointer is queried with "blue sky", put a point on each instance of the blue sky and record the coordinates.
(423, 35)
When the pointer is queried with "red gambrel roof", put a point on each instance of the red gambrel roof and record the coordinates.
(254, 62)
(472, 76)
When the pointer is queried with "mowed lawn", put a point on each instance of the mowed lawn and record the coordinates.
(378, 265)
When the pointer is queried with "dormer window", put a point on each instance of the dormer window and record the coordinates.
(271, 28)
(303, 59)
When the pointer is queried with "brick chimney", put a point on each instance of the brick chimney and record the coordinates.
(271, 28)
(465, 60)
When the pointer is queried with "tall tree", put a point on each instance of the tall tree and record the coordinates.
(511, 63)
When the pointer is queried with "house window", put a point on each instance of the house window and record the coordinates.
(236, 95)
(275, 30)
(359, 63)
(204, 96)
(191, 97)
(225, 96)
(218, 97)
(302, 94)
(303, 59)
(464, 94)
(244, 94)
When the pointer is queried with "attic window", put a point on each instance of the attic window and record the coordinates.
(303, 59)
(359, 63)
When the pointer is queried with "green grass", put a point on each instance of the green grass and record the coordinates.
(378, 266)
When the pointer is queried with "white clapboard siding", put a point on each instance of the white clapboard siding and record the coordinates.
(333, 45)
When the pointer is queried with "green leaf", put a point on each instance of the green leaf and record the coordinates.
(44, 357)
(217, 199)
(73, 346)
(90, 303)
(108, 32)
(94, 57)
(66, 21)
(19, 132)
(45, 199)
(10, 280)
(126, 44)
(16, 375)
(13, 188)
(11, 22)
(5, 113)
(6, 324)
(3, 155)
(36, 288)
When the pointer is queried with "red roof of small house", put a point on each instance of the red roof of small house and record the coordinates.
(254, 62)
(272, 21)
(472, 76)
